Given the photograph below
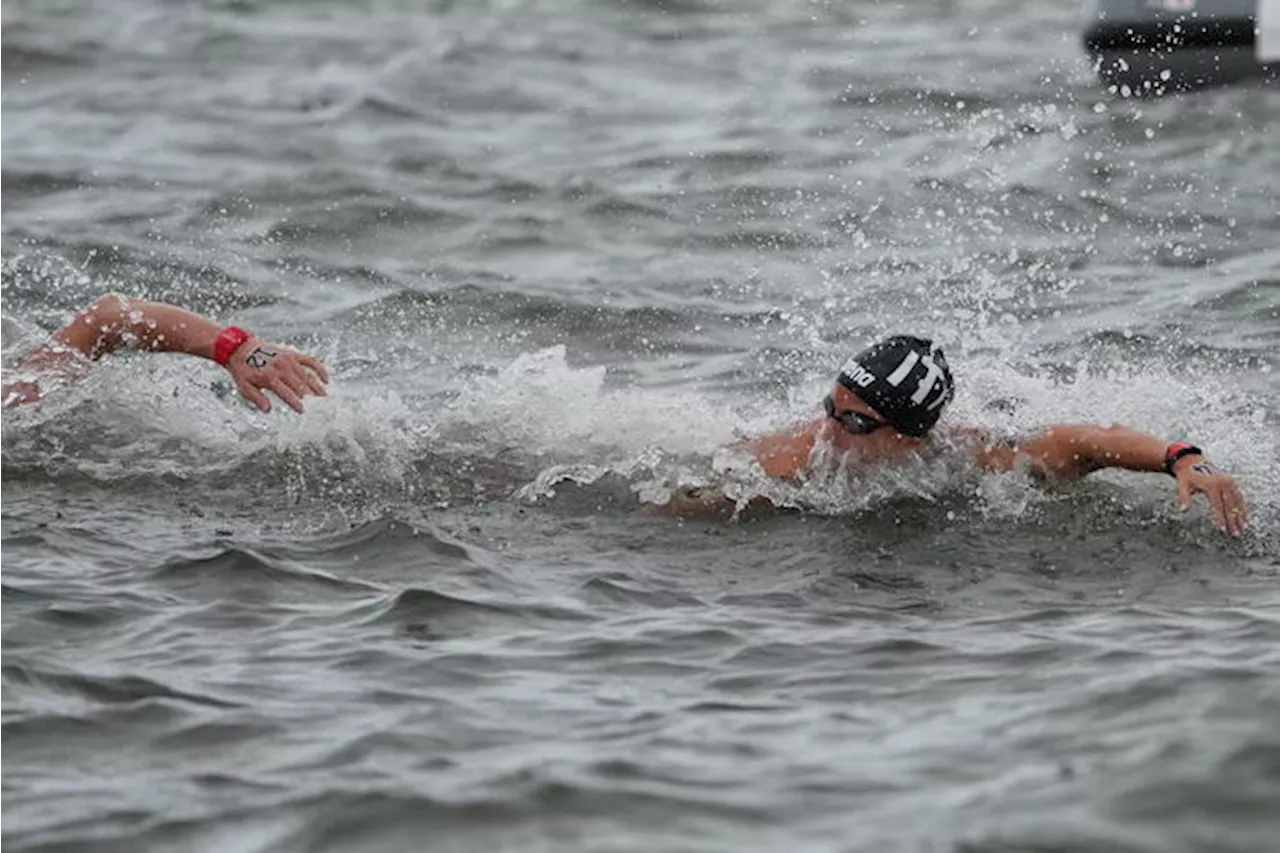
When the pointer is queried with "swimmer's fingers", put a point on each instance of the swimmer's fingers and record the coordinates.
(284, 392)
(310, 377)
(298, 371)
(253, 394)
(313, 363)
(1218, 507)
(314, 383)
(296, 378)
(1235, 509)
(1226, 503)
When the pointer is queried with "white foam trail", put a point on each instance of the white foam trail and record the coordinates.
(543, 405)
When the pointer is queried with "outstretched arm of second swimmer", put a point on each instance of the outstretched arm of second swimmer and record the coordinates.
(1074, 450)
(115, 322)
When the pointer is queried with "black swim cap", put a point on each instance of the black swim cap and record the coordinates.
(905, 379)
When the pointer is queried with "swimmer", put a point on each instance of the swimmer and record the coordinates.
(115, 322)
(885, 404)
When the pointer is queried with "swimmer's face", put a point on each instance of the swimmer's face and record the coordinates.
(856, 425)
(853, 414)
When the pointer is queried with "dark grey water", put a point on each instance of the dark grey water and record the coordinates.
(556, 254)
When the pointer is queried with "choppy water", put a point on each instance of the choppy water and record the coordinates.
(556, 253)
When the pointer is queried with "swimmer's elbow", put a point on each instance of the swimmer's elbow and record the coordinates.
(108, 311)
(96, 330)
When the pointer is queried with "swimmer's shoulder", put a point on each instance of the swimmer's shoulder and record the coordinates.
(784, 455)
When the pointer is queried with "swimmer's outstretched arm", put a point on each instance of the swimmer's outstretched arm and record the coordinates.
(1074, 450)
(116, 322)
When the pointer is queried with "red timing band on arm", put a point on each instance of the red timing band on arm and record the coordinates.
(227, 342)
(1176, 451)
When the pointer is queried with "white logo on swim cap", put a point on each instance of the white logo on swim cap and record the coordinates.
(857, 374)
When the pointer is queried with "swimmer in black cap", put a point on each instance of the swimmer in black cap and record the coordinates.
(885, 404)
(116, 322)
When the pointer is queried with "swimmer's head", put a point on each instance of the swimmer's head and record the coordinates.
(905, 379)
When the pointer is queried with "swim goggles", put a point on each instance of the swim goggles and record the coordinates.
(854, 423)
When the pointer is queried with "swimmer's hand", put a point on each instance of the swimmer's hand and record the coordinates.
(258, 366)
(1195, 475)
(697, 503)
(705, 503)
(18, 393)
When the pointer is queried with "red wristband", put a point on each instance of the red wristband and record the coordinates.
(1176, 451)
(227, 342)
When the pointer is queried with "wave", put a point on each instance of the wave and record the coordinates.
(219, 569)
(493, 301)
(15, 183)
(24, 678)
